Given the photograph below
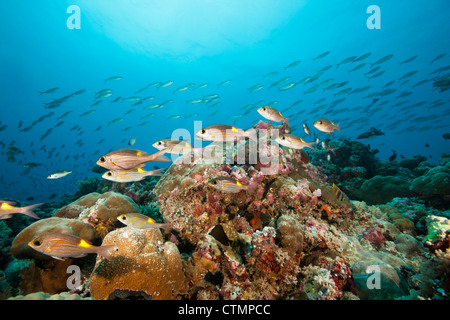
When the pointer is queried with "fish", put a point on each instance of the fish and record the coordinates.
(346, 60)
(175, 116)
(372, 132)
(446, 136)
(51, 90)
(363, 57)
(7, 209)
(306, 129)
(326, 126)
(31, 165)
(382, 60)
(227, 184)
(140, 221)
(393, 156)
(58, 175)
(287, 86)
(255, 87)
(114, 78)
(60, 246)
(223, 132)
(87, 113)
(439, 57)
(294, 142)
(293, 64)
(341, 196)
(116, 120)
(322, 55)
(131, 141)
(130, 175)
(272, 114)
(126, 159)
(173, 146)
(409, 60)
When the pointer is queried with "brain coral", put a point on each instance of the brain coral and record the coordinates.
(435, 181)
(99, 210)
(143, 262)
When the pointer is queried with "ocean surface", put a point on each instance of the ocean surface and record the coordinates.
(169, 63)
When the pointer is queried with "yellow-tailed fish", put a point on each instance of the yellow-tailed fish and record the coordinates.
(326, 126)
(140, 221)
(59, 174)
(341, 196)
(7, 209)
(227, 184)
(130, 175)
(126, 159)
(223, 132)
(272, 114)
(294, 142)
(60, 246)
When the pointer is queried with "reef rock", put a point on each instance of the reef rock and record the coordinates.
(382, 189)
(143, 262)
(99, 210)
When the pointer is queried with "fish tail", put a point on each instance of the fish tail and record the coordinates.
(104, 251)
(166, 226)
(310, 145)
(29, 210)
(158, 156)
(156, 172)
(337, 127)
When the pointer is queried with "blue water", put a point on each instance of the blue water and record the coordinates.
(209, 42)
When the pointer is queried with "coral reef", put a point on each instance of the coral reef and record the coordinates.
(142, 262)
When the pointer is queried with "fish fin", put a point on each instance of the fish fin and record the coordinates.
(159, 156)
(6, 216)
(28, 210)
(337, 128)
(104, 251)
(11, 203)
(58, 258)
(310, 145)
(157, 172)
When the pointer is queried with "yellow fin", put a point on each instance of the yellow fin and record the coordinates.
(234, 129)
(84, 244)
(238, 184)
(6, 206)
(139, 153)
(141, 170)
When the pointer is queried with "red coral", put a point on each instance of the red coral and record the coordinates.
(374, 235)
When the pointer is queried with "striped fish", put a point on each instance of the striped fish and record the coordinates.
(59, 246)
(140, 221)
(294, 142)
(126, 159)
(223, 132)
(130, 175)
(227, 184)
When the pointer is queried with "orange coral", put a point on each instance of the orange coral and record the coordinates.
(326, 209)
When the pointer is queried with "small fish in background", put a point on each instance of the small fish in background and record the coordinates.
(326, 126)
(31, 165)
(446, 136)
(60, 246)
(140, 221)
(7, 209)
(228, 185)
(58, 174)
(131, 141)
(393, 156)
(223, 132)
(294, 142)
(372, 132)
(114, 78)
(322, 55)
(272, 114)
(306, 129)
(126, 159)
(130, 175)
(427, 145)
(51, 90)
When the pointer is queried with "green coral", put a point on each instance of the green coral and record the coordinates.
(438, 228)
(382, 189)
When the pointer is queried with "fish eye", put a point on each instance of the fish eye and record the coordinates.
(264, 108)
(203, 131)
(123, 218)
(283, 138)
(214, 182)
(109, 173)
(159, 143)
(320, 122)
(36, 243)
(102, 159)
